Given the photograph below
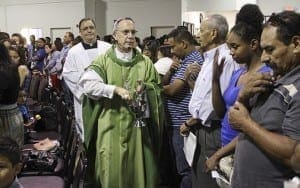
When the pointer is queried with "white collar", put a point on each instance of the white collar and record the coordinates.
(210, 53)
(123, 56)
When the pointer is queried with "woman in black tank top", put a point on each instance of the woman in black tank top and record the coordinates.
(11, 121)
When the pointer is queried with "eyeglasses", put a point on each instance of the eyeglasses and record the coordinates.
(88, 27)
(126, 32)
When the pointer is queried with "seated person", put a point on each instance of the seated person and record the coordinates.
(10, 164)
(29, 121)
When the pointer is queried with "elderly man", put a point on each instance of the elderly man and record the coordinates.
(78, 59)
(122, 154)
(212, 36)
(271, 130)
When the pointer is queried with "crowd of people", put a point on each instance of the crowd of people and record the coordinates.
(136, 104)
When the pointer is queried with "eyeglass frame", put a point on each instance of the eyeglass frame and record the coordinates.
(127, 31)
(88, 27)
(116, 23)
(84, 20)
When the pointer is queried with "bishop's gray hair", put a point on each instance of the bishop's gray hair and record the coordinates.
(117, 21)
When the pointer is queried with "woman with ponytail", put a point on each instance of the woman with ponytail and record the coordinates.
(244, 44)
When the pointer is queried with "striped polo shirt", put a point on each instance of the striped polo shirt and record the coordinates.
(177, 106)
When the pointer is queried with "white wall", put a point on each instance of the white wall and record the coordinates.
(100, 17)
(269, 7)
(229, 15)
(145, 13)
(210, 5)
(266, 6)
(44, 14)
(2, 18)
(228, 8)
(90, 8)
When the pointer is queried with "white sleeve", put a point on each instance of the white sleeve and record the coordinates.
(71, 75)
(93, 86)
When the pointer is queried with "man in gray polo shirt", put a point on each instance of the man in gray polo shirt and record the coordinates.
(271, 130)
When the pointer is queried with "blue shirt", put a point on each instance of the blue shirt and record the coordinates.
(25, 112)
(177, 106)
(230, 96)
(39, 58)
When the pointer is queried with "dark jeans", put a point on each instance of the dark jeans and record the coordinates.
(183, 169)
(208, 142)
(167, 167)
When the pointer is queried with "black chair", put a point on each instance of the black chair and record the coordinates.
(46, 95)
(34, 85)
(50, 181)
(66, 130)
(51, 121)
(71, 160)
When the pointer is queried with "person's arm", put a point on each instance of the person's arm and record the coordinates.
(174, 88)
(174, 67)
(212, 161)
(71, 75)
(94, 87)
(276, 145)
(217, 98)
(257, 83)
(165, 80)
(23, 72)
(295, 159)
(3, 84)
(187, 125)
(191, 74)
(52, 62)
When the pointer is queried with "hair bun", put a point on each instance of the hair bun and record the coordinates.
(250, 14)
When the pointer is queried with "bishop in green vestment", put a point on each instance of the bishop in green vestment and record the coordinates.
(121, 155)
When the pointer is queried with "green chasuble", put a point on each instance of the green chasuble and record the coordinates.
(120, 154)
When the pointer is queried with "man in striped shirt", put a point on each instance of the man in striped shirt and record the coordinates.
(177, 95)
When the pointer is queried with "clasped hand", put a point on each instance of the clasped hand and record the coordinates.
(238, 116)
(123, 93)
(257, 83)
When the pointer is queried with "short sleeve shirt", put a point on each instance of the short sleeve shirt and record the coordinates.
(177, 106)
(279, 112)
